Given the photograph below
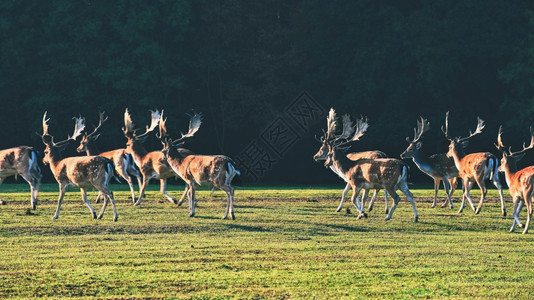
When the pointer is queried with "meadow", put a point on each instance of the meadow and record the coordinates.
(285, 243)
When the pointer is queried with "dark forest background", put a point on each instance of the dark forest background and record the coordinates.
(242, 62)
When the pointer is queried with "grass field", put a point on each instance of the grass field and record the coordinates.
(284, 243)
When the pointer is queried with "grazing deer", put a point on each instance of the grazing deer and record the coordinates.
(383, 173)
(21, 161)
(321, 156)
(124, 165)
(474, 167)
(520, 183)
(151, 164)
(80, 171)
(215, 171)
(438, 166)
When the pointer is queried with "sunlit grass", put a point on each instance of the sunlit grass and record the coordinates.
(284, 243)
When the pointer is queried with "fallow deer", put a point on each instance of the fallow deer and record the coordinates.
(383, 173)
(80, 171)
(151, 164)
(520, 183)
(438, 166)
(321, 156)
(474, 167)
(21, 161)
(124, 165)
(215, 171)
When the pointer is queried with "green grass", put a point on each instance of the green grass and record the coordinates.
(284, 243)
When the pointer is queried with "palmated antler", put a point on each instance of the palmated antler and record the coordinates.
(79, 126)
(101, 119)
(194, 125)
(351, 133)
(129, 128)
(422, 126)
(480, 126)
(446, 130)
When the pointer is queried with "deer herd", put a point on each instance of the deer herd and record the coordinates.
(362, 171)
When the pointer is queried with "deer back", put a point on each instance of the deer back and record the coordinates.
(206, 170)
(366, 154)
(16, 160)
(83, 171)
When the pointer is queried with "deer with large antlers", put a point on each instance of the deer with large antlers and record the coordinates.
(474, 167)
(520, 183)
(215, 171)
(438, 166)
(21, 161)
(124, 165)
(322, 154)
(81, 171)
(384, 173)
(151, 164)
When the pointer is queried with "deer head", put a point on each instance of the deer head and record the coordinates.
(87, 138)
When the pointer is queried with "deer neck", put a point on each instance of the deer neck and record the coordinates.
(457, 158)
(421, 160)
(137, 150)
(510, 169)
(341, 163)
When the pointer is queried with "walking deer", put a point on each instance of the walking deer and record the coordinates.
(438, 166)
(151, 164)
(321, 156)
(383, 173)
(21, 161)
(124, 165)
(215, 171)
(520, 183)
(81, 171)
(474, 167)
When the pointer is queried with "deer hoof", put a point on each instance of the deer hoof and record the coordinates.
(519, 225)
(415, 219)
(504, 213)
(387, 218)
(192, 215)
(233, 217)
(115, 218)
(2, 202)
(365, 215)
(370, 208)
(477, 211)
(387, 211)
(180, 203)
(433, 205)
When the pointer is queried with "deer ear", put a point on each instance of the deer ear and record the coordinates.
(464, 144)
(518, 157)
(419, 145)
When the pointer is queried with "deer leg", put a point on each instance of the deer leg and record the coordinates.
(62, 190)
(108, 197)
(498, 185)
(484, 191)
(386, 201)
(372, 202)
(84, 197)
(529, 214)
(406, 191)
(517, 205)
(396, 199)
(2, 201)
(453, 183)
(467, 189)
(103, 209)
(229, 204)
(364, 196)
(163, 190)
(184, 195)
(30, 180)
(436, 188)
(142, 192)
(447, 187)
(123, 172)
(345, 191)
(191, 200)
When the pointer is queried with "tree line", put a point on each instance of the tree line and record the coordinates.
(242, 62)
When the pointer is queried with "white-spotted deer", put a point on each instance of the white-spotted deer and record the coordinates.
(321, 156)
(520, 183)
(21, 161)
(438, 166)
(151, 164)
(124, 165)
(384, 173)
(215, 171)
(474, 167)
(80, 171)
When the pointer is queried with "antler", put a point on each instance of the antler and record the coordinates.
(526, 148)
(422, 126)
(480, 126)
(155, 118)
(101, 119)
(128, 128)
(330, 125)
(446, 131)
(162, 128)
(79, 126)
(45, 124)
(194, 126)
(348, 129)
(357, 131)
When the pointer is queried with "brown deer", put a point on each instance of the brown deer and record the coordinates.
(151, 164)
(124, 165)
(520, 183)
(81, 171)
(474, 167)
(21, 161)
(215, 171)
(321, 156)
(383, 173)
(438, 166)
